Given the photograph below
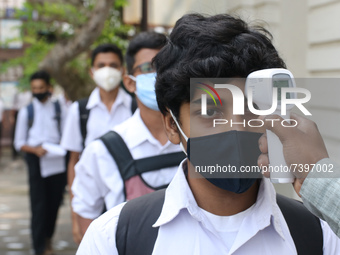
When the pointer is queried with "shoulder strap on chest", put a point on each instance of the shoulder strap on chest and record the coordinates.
(304, 227)
(135, 234)
(133, 104)
(83, 117)
(153, 163)
(120, 153)
(58, 115)
(129, 167)
(30, 118)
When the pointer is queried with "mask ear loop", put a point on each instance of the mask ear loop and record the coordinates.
(132, 77)
(181, 131)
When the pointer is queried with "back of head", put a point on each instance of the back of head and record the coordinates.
(211, 47)
(107, 48)
(41, 75)
(144, 40)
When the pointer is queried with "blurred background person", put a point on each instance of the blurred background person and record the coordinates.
(38, 124)
(21, 99)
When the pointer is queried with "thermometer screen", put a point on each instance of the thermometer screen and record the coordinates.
(279, 83)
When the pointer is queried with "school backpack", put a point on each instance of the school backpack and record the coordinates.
(135, 234)
(84, 115)
(131, 169)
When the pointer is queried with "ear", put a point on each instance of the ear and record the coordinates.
(129, 84)
(171, 129)
(91, 72)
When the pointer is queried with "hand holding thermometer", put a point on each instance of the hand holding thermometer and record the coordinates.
(266, 86)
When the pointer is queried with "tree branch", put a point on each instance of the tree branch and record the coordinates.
(81, 41)
(65, 51)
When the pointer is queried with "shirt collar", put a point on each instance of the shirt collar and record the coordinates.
(179, 196)
(37, 102)
(94, 99)
(266, 208)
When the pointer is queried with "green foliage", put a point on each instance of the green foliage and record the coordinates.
(29, 61)
(48, 23)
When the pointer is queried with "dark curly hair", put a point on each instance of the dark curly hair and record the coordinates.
(209, 47)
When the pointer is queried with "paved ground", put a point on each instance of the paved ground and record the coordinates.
(15, 213)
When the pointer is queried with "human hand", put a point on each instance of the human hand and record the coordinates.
(77, 236)
(40, 151)
(302, 144)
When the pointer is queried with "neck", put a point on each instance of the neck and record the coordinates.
(153, 121)
(44, 100)
(108, 97)
(218, 201)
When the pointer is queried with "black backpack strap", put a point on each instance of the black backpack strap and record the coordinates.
(120, 153)
(158, 162)
(83, 117)
(135, 234)
(304, 227)
(133, 104)
(129, 167)
(58, 115)
(30, 118)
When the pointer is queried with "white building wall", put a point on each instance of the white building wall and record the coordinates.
(323, 60)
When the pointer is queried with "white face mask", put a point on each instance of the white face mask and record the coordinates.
(107, 77)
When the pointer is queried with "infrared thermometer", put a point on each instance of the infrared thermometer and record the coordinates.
(266, 87)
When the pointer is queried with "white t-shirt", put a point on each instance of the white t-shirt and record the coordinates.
(227, 227)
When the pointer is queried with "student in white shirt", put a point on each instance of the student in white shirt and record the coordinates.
(98, 181)
(107, 106)
(41, 122)
(199, 214)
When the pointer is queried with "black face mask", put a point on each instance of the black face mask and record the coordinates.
(233, 149)
(41, 96)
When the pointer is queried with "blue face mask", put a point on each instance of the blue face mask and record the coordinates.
(145, 89)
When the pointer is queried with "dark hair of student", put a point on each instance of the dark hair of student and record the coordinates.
(148, 40)
(214, 46)
(107, 48)
(41, 75)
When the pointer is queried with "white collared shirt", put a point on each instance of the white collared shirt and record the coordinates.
(99, 122)
(98, 181)
(184, 229)
(44, 129)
